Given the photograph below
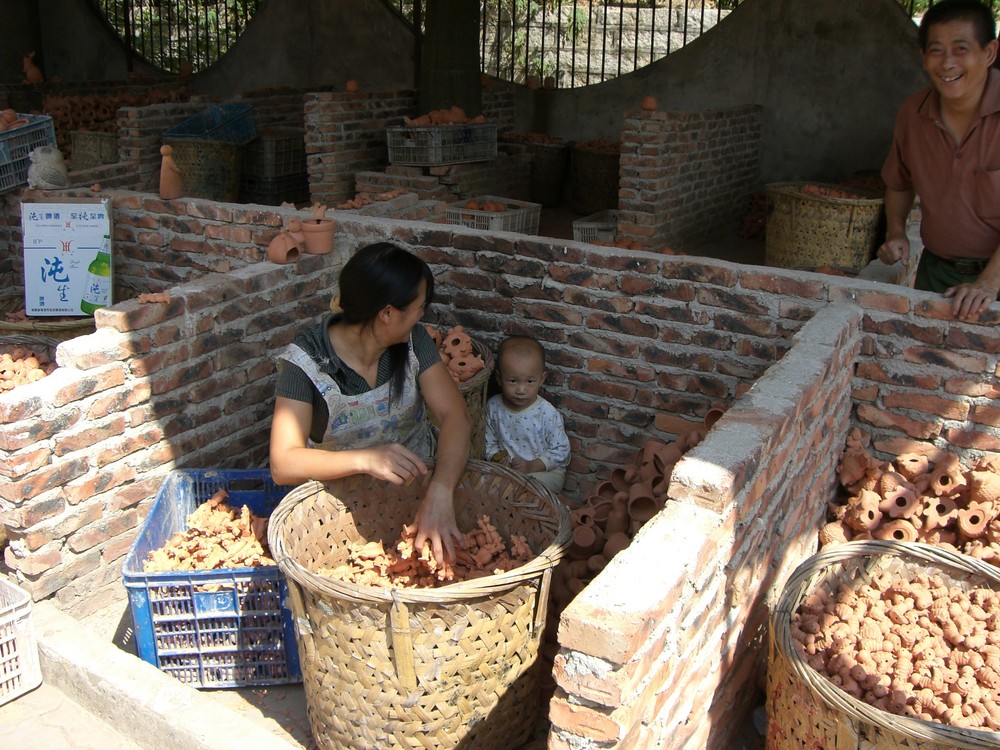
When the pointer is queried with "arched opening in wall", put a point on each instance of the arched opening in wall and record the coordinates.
(572, 43)
(177, 36)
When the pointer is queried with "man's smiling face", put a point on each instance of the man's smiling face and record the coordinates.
(956, 62)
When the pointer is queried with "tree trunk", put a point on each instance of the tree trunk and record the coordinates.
(449, 70)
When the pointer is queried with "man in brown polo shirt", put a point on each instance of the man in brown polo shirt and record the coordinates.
(946, 149)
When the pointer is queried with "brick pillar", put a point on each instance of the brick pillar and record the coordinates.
(686, 176)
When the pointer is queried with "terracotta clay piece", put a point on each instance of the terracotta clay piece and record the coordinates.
(402, 566)
(457, 353)
(218, 535)
(909, 643)
(918, 496)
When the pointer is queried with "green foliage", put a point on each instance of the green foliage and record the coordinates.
(169, 34)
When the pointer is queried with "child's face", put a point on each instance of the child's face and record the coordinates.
(521, 377)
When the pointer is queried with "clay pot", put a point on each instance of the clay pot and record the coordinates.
(648, 104)
(582, 516)
(283, 249)
(616, 543)
(587, 541)
(352, 86)
(617, 520)
(170, 175)
(318, 236)
(643, 503)
(713, 416)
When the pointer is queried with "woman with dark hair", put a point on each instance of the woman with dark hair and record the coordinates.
(351, 393)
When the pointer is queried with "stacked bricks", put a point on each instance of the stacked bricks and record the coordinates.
(508, 176)
(657, 651)
(686, 176)
(346, 134)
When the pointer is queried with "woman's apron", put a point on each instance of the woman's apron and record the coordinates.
(368, 419)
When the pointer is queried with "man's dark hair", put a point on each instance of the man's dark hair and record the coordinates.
(959, 10)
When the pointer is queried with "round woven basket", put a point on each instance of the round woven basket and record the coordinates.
(61, 328)
(805, 709)
(807, 230)
(447, 667)
(474, 391)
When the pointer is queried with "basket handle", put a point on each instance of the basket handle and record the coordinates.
(301, 620)
(541, 602)
(402, 644)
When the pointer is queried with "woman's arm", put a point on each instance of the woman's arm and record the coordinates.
(435, 520)
(293, 461)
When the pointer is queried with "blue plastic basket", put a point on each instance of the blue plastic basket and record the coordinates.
(16, 146)
(227, 627)
(232, 123)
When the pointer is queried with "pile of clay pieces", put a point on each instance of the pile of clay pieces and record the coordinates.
(218, 535)
(482, 553)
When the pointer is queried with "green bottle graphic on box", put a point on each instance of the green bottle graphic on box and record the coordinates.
(97, 292)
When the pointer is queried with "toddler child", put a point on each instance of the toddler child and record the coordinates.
(523, 430)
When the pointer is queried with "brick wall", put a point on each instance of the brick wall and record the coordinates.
(346, 136)
(685, 176)
(664, 648)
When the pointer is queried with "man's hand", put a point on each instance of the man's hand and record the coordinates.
(893, 250)
(969, 300)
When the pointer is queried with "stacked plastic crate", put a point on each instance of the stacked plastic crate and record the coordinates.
(274, 168)
(443, 145)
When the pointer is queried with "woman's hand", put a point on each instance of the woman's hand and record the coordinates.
(394, 463)
(435, 524)
(294, 462)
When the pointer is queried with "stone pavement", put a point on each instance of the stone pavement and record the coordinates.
(96, 695)
(47, 718)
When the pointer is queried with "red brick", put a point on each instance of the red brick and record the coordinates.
(17, 464)
(869, 414)
(102, 531)
(32, 564)
(51, 477)
(583, 721)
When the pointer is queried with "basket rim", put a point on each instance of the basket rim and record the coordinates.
(463, 590)
(800, 583)
(864, 195)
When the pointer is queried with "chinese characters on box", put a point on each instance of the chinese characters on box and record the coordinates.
(67, 257)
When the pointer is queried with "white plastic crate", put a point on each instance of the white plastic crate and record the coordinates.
(599, 227)
(520, 216)
(436, 145)
(19, 668)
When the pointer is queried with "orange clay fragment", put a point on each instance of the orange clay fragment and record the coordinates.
(484, 553)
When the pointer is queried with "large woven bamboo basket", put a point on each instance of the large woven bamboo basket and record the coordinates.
(806, 230)
(805, 709)
(447, 667)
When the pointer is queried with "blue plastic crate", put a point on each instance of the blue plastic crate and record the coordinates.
(227, 627)
(232, 123)
(16, 146)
